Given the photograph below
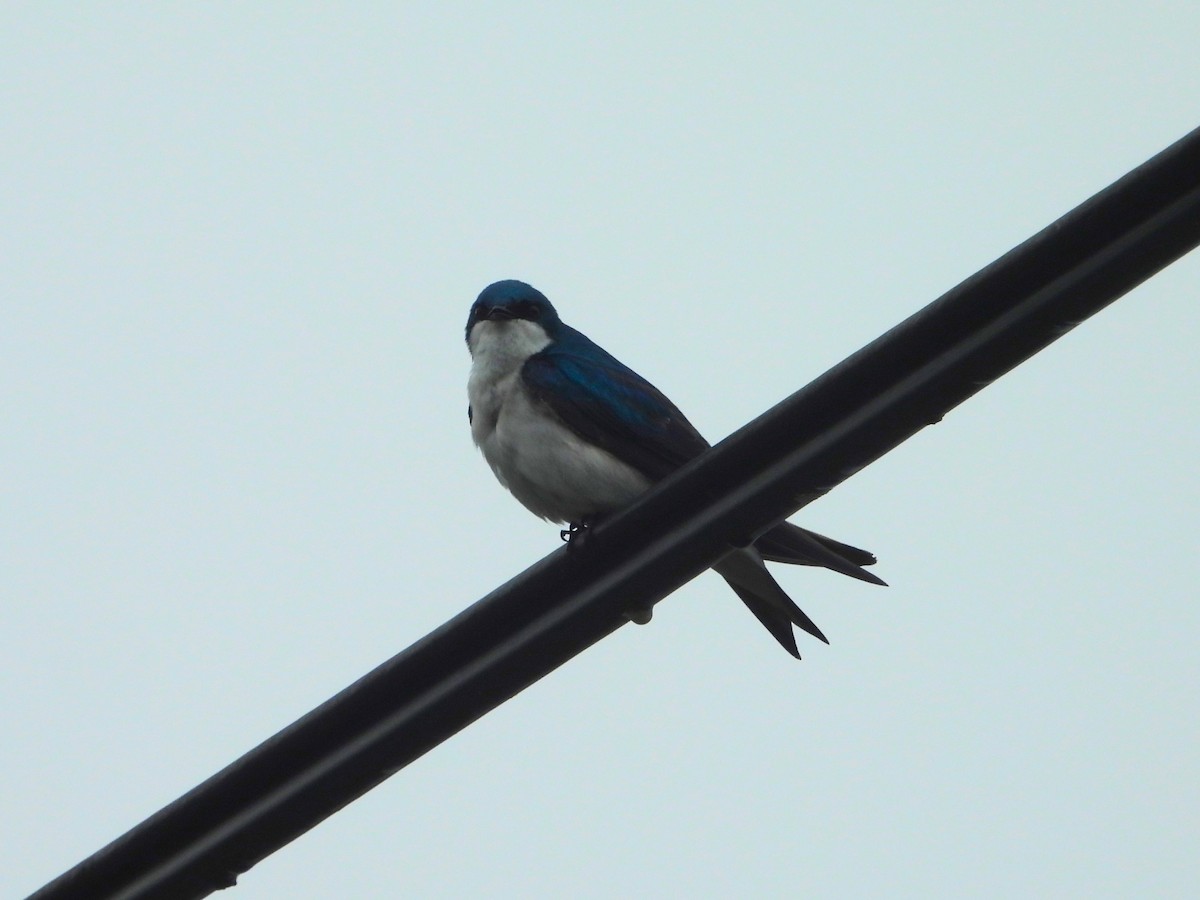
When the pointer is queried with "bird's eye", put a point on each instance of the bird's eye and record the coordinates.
(527, 310)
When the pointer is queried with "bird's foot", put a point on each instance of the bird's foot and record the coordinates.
(576, 532)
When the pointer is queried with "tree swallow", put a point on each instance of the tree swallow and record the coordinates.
(575, 434)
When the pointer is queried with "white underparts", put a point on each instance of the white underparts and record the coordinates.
(550, 469)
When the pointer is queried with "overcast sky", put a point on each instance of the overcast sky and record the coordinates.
(239, 245)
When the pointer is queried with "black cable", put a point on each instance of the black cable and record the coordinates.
(781, 461)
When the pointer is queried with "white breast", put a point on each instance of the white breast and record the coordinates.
(554, 473)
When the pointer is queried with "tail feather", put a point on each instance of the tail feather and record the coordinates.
(779, 626)
(748, 576)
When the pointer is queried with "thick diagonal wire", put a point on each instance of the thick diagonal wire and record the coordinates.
(792, 454)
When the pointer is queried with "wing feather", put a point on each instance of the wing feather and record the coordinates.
(609, 405)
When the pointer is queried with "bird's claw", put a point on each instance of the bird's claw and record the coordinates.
(576, 532)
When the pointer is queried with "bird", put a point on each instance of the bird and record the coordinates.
(574, 434)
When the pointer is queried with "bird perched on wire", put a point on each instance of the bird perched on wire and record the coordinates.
(575, 434)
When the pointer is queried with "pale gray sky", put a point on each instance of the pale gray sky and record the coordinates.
(240, 242)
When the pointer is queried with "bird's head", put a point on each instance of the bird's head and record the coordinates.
(515, 309)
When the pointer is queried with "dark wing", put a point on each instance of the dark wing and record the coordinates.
(608, 404)
(788, 543)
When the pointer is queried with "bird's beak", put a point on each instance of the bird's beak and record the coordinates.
(499, 313)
